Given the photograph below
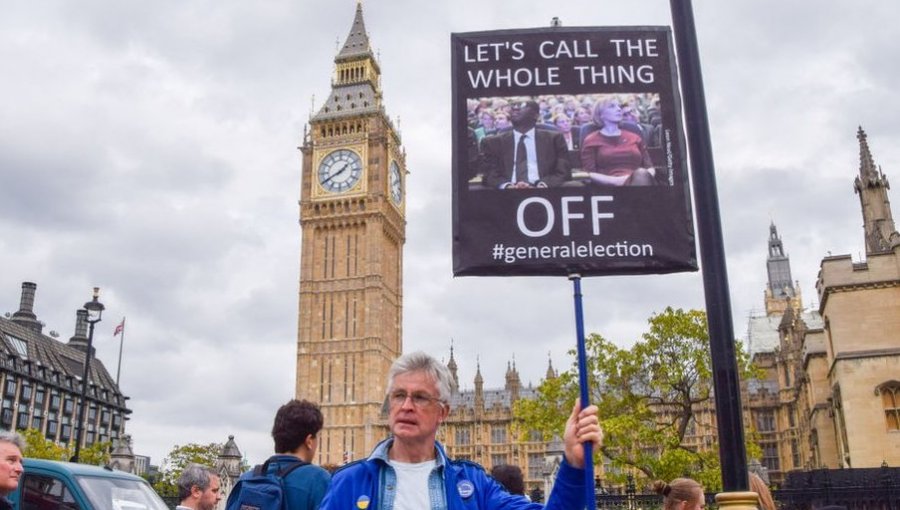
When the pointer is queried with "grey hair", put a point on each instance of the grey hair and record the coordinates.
(420, 362)
(194, 475)
(7, 436)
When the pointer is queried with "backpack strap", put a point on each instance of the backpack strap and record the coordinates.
(283, 472)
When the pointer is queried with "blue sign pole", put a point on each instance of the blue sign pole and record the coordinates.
(590, 497)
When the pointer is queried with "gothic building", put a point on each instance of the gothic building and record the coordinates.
(40, 378)
(352, 207)
(860, 307)
(774, 342)
(481, 427)
(830, 394)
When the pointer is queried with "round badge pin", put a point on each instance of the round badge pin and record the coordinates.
(363, 502)
(465, 488)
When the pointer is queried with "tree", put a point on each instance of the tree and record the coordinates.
(649, 396)
(37, 446)
(178, 459)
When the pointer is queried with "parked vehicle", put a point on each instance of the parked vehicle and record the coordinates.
(52, 485)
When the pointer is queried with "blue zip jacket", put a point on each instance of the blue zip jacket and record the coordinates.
(368, 484)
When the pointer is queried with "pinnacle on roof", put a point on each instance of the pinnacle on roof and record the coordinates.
(357, 43)
(866, 162)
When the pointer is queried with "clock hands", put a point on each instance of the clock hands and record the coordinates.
(344, 166)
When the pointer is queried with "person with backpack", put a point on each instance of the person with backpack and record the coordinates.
(287, 480)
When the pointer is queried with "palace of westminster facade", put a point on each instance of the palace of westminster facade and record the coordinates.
(830, 396)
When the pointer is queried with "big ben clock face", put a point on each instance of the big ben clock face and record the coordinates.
(340, 170)
(395, 183)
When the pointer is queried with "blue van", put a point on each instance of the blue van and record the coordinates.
(52, 485)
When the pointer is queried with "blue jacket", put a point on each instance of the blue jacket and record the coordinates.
(368, 483)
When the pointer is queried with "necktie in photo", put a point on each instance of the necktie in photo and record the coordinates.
(521, 161)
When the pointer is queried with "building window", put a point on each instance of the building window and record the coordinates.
(39, 397)
(463, 437)
(497, 459)
(770, 456)
(68, 406)
(66, 433)
(54, 402)
(22, 421)
(26, 393)
(104, 418)
(10, 390)
(765, 421)
(37, 422)
(498, 435)
(52, 427)
(6, 417)
(890, 399)
(535, 465)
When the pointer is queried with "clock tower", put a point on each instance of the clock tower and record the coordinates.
(352, 200)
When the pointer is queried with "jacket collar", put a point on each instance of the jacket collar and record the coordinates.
(380, 453)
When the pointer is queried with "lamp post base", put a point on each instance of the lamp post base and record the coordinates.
(737, 500)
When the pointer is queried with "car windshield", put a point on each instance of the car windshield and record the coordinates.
(120, 494)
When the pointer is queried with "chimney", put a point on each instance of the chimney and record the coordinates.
(80, 340)
(25, 316)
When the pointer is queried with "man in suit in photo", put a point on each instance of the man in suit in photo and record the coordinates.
(525, 156)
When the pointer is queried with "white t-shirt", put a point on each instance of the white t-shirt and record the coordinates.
(412, 484)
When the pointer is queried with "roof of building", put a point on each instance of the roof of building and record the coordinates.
(349, 100)
(762, 330)
(497, 397)
(27, 350)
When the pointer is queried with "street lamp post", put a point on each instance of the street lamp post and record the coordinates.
(94, 313)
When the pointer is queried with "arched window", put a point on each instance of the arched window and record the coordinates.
(890, 400)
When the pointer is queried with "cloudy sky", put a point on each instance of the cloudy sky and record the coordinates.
(150, 149)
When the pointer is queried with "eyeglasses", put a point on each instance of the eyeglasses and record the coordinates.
(420, 400)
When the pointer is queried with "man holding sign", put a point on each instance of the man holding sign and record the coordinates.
(411, 471)
(526, 156)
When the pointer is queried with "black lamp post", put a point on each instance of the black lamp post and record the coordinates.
(94, 313)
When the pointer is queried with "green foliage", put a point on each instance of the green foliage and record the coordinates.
(648, 398)
(96, 454)
(178, 458)
(39, 447)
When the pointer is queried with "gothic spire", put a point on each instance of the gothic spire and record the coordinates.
(779, 266)
(357, 43)
(452, 366)
(780, 291)
(356, 84)
(878, 223)
(867, 168)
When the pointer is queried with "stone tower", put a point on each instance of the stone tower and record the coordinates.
(781, 289)
(353, 228)
(871, 185)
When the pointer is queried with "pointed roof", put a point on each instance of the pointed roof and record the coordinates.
(452, 363)
(550, 372)
(230, 449)
(357, 43)
(867, 169)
